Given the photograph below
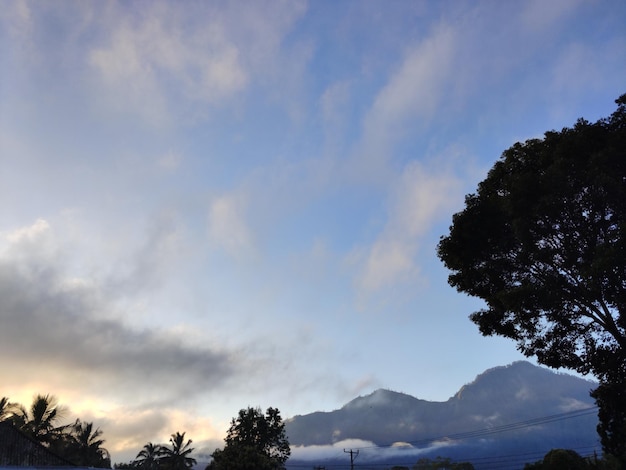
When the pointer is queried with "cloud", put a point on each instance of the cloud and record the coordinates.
(162, 53)
(421, 197)
(64, 329)
(28, 235)
(368, 451)
(227, 225)
(75, 334)
(410, 97)
(578, 69)
(17, 18)
(169, 161)
(169, 59)
(540, 16)
(334, 104)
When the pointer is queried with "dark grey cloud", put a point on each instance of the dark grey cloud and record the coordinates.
(51, 322)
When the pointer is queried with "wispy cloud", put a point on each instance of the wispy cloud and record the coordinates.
(409, 99)
(420, 198)
(153, 56)
(540, 16)
(228, 227)
(157, 61)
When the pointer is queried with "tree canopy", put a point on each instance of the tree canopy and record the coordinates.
(441, 463)
(78, 443)
(254, 442)
(178, 456)
(542, 242)
(149, 458)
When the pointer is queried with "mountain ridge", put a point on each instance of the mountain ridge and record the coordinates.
(517, 393)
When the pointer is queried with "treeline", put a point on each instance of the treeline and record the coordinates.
(81, 444)
(160, 457)
(254, 441)
(78, 442)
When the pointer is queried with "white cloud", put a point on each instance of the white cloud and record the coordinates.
(333, 102)
(371, 452)
(390, 260)
(539, 15)
(410, 97)
(421, 197)
(228, 228)
(170, 59)
(577, 69)
(151, 59)
(17, 17)
(28, 234)
(170, 161)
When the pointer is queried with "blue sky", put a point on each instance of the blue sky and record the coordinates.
(211, 205)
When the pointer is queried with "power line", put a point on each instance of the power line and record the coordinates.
(500, 460)
(498, 429)
(486, 463)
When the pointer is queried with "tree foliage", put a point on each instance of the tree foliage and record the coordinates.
(83, 446)
(81, 443)
(254, 441)
(542, 242)
(559, 459)
(149, 458)
(78, 442)
(611, 401)
(40, 421)
(178, 456)
(441, 463)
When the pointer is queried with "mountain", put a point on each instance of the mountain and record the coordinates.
(513, 410)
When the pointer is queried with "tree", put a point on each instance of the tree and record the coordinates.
(254, 442)
(542, 242)
(8, 410)
(558, 459)
(240, 458)
(150, 456)
(441, 463)
(83, 446)
(40, 420)
(610, 398)
(125, 465)
(177, 458)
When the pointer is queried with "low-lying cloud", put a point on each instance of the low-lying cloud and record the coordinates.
(367, 451)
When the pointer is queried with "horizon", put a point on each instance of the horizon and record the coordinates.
(208, 206)
(321, 452)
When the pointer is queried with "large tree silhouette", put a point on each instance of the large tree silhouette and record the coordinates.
(542, 242)
(254, 442)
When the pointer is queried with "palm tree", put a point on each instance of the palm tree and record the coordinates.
(177, 458)
(39, 422)
(85, 446)
(7, 409)
(149, 458)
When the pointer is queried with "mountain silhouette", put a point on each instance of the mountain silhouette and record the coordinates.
(520, 408)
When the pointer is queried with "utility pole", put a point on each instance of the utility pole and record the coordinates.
(353, 455)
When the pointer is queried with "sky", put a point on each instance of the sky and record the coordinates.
(206, 206)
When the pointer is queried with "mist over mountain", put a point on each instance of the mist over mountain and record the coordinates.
(509, 411)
